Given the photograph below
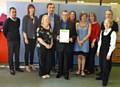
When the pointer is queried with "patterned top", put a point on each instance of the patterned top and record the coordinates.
(45, 34)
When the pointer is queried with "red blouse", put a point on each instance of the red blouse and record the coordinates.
(95, 31)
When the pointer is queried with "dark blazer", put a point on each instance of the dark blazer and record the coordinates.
(67, 46)
(114, 26)
(56, 24)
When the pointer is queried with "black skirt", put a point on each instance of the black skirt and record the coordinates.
(81, 53)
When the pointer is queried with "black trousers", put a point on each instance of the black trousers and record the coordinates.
(71, 61)
(54, 53)
(45, 61)
(72, 58)
(53, 60)
(91, 57)
(64, 62)
(106, 67)
(13, 54)
(29, 51)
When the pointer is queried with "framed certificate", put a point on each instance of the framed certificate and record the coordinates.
(64, 36)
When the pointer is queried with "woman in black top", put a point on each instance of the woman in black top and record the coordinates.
(45, 39)
(72, 20)
(106, 46)
(29, 26)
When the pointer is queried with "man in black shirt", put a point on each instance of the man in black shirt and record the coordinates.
(11, 32)
(64, 49)
(109, 14)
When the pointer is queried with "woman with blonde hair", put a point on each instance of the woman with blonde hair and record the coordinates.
(106, 46)
(45, 40)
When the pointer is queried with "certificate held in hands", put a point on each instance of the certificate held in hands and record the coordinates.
(64, 36)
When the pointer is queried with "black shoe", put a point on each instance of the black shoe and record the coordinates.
(104, 84)
(54, 70)
(40, 74)
(98, 74)
(12, 72)
(98, 78)
(66, 77)
(90, 72)
(71, 70)
(58, 76)
(19, 70)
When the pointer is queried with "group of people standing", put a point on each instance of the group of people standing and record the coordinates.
(85, 40)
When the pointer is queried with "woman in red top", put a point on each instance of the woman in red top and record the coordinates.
(3, 42)
(95, 30)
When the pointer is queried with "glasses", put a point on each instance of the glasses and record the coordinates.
(108, 14)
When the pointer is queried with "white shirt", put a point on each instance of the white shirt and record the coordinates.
(112, 42)
(14, 19)
(51, 16)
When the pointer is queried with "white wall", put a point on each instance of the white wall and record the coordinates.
(115, 7)
(3, 4)
(116, 11)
